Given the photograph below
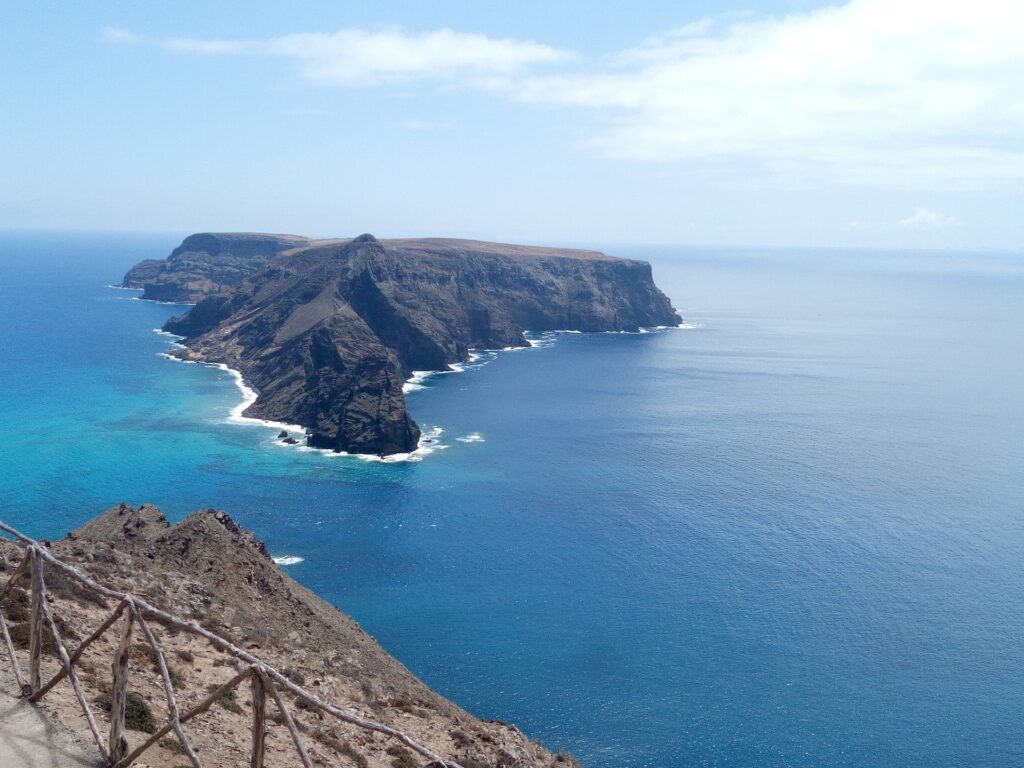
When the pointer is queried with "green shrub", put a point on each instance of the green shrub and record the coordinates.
(137, 714)
(228, 700)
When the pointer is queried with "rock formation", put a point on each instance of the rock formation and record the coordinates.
(206, 263)
(208, 569)
(328, 331)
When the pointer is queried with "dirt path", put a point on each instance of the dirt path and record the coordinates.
(30, 737)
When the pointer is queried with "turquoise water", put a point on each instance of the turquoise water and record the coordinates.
(790, 536)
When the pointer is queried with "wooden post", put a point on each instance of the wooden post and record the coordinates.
(35, 642)
(259, 720)
(32, 565)
(62, 652)
(165, 679)
(198, 709)
(288, 721)
(63, 671)
(22, 685)
(117, 744)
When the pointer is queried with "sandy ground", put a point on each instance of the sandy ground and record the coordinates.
(32, 737)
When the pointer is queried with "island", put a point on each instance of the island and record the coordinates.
(327, 331)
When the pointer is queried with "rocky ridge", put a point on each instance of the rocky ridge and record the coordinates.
(209, 569)
(327, 332)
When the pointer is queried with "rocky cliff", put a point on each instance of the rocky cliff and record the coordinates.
(328, 331)
(208, 569)
(207, 263)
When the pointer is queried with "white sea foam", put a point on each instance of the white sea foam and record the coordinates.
(157, 301)
(474, 437)
(650, 329)
(415, 381)
(175, 358)
(475, 359)
(168, 334)
(538, 340)
(289, 560)
(249, 396)
(124, 288)
(429, 443)
(480, 357)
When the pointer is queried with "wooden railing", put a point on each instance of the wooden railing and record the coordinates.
(266, 681)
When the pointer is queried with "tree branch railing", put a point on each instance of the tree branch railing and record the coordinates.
(267, 682)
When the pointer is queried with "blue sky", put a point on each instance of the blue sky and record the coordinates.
(861, 123)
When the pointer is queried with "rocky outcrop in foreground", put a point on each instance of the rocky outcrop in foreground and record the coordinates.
(327, 332)
(208, 569)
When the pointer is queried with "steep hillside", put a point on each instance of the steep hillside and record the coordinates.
(208, 569)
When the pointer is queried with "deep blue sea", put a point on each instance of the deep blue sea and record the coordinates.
(792, 535)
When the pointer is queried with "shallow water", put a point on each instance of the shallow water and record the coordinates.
(791, 535)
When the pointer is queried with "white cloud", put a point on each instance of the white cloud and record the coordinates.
(357, 57)
(118, 35)
(213, 47)
(924, 93)
(918, 94)
(923, 219)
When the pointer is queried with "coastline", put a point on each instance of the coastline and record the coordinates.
(543, 339)
(151, 301)
(157, 301)
(429, 441)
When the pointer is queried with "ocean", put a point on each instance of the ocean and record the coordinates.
(789, 534)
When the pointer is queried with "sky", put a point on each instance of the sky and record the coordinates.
(865, 123)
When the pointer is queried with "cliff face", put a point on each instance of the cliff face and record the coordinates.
(327, 333)
(207, 263)
(208, 569)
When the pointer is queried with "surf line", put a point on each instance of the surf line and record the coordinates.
(538, 341)
(428, 442)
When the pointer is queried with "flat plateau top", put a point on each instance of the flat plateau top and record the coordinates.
(425, 245)
(483, 246)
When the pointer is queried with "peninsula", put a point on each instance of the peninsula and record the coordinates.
(327, 331)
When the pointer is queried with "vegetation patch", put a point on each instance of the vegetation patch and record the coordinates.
(172, 745)
(401, 757)
(16, 605)
(21, 633)
(342, 747)
(228, 700)
(137, 714)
